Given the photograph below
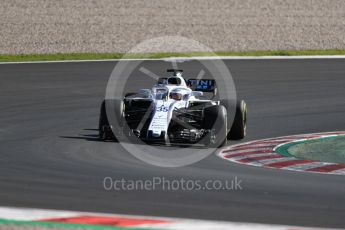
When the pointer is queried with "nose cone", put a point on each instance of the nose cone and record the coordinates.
(156, 133)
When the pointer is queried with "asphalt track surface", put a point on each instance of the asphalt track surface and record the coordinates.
(50, 156)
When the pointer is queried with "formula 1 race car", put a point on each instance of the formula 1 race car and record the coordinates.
(174, 110)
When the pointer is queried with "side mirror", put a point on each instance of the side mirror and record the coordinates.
(197, 94)
(145, 93)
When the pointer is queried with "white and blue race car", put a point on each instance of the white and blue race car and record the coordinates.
(175, 111)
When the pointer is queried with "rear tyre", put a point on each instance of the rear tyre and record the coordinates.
(239, 127)
(215, 120)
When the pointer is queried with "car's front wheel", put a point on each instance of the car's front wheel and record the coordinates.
(215, 120)
(104, 127)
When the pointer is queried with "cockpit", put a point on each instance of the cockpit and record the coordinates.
(179, 94)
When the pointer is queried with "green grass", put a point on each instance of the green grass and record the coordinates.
(34, 224)
(99, 56)
(326, 149)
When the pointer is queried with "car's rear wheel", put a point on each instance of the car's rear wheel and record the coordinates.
(239, 127)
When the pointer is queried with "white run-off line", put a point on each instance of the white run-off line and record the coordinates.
(30, 214)
(181, 59)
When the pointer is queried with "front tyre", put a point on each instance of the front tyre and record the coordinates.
(104, 128)
(215, 120)
(239, 127)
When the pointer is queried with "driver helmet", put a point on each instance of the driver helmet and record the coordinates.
(176, 96)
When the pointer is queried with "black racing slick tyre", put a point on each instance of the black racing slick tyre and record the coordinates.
(215, 120)
(239, 127)
(105, 129)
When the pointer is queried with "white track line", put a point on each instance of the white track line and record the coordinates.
(171, 59)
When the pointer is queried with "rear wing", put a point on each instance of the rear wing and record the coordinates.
(203, 85)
